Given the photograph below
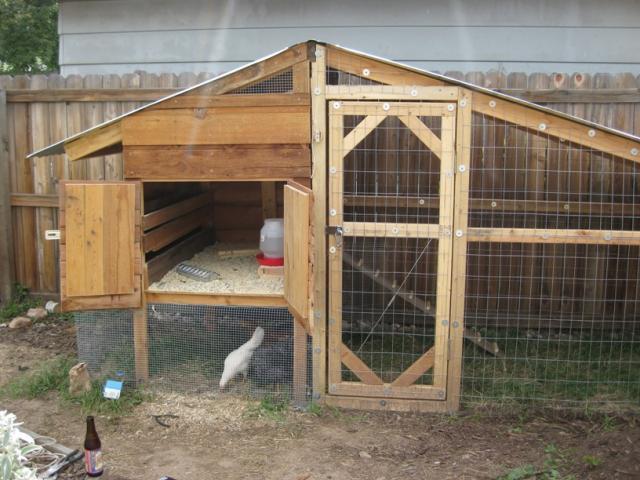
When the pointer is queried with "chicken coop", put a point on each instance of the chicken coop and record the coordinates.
(442, 241)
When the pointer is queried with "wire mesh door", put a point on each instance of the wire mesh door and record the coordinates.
(391, 184)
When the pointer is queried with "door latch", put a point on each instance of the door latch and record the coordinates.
(335, 231)
(52, 234)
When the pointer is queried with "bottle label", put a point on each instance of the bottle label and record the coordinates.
(93, 461)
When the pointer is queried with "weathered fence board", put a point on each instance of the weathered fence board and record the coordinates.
(41, 110)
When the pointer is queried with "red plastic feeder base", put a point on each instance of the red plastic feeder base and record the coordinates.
(269, 262)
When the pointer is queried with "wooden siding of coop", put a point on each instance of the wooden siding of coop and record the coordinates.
(44, 109)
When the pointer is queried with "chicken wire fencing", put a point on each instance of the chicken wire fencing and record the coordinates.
(188, 345)
(552, 268)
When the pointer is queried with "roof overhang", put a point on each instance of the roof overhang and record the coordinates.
(103, 138)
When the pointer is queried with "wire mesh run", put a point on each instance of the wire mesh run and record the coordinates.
(552, 275)
(388, 300)
(188, 345)
(105, 343)
(279, 83)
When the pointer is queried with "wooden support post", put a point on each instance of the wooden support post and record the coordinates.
(269, 206)
(7, 267)
(319, 180)
(459, 262)
(299, 363)
(141, 333)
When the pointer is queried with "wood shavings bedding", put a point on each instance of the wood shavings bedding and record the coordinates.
(232, 274)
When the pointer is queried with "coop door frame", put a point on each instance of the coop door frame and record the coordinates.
(100, 245)
(437, 357)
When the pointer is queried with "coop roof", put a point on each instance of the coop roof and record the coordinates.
(111, 140)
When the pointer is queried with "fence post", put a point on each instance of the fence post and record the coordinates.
(7, 270)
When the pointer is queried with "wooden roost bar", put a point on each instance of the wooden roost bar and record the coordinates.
(399, 189)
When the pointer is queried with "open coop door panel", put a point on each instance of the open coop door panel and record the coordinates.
(100, 254)
(297, 239)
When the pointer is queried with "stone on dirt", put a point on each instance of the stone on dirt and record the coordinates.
(20, 322)
(79, 380)
(37, 313)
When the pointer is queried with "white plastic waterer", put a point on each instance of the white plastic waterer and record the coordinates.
(272, 238)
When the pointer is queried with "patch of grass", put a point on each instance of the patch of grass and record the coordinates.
(50, 376)
(314, 409)
(53, 376)
(23, 301)
(555, 462)
(271, 407)
(579, 369)
(591, 461)
(19, 304)
(519, 473)
(92, 402)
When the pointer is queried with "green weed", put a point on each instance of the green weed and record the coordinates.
(591, 461)
(271, 407)
(519, 473)
(53, 376)
(315, 409)
(19, 304)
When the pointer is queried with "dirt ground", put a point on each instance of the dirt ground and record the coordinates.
(218, 436)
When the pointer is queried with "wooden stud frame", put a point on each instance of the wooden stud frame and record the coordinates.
(319, 178)
(339, 146)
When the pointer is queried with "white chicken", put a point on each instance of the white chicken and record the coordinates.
(238, 361)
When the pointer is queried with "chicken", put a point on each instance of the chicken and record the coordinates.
(238, 361)
(273, 364)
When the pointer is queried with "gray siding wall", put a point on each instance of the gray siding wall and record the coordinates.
(119, 36)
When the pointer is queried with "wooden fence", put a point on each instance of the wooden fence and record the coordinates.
(40, 110)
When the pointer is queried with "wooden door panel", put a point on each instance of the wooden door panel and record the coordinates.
(100, 245)
(297, 211)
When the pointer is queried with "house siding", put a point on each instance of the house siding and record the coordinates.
(118, 36)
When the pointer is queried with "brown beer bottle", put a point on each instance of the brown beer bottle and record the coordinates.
(92, 452)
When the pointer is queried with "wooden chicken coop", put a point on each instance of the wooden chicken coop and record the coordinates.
(416, 207)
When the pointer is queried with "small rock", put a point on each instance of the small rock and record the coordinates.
(364, 454)
(79, 380)
(20, 322)
(37, 313)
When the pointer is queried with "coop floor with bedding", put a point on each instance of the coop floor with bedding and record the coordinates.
(234, 270)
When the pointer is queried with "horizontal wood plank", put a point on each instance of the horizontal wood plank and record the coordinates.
(586, 95)
(236, 299)
(541, 235)
(386, 404)
(213, 101)
(34, 200)
(218, 126)
(170, 232)
(374, 229)
(163, 215)
(388, 391)
(235, 162)
(88, 95)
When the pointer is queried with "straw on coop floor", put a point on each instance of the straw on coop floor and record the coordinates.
(233, 273)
